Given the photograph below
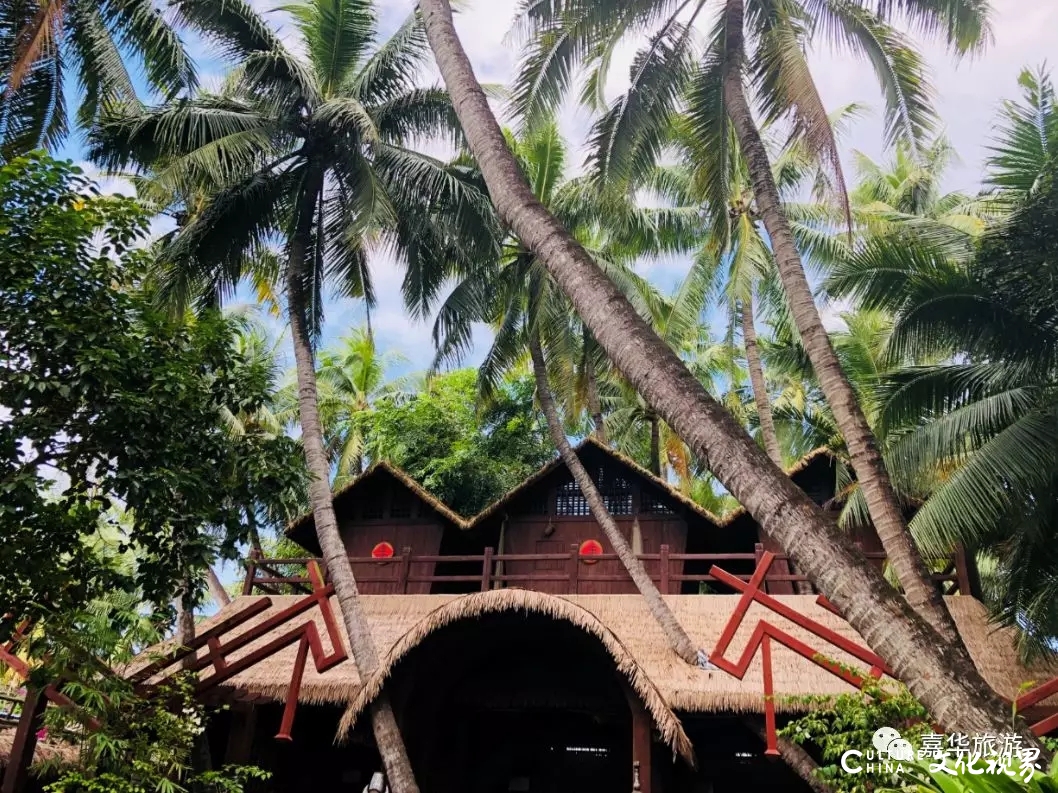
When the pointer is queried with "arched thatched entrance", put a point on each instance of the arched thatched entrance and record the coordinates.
(519, 691)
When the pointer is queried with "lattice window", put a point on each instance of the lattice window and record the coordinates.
(616, 493)
(569, 501)
(400, 507)
(652, 505)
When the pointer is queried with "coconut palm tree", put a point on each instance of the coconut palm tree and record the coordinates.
(43, 44)
(313, 152)
(903, 198)
(986, 412)
(706, 71)
(734, 256)
(529, 314)
(945, 682)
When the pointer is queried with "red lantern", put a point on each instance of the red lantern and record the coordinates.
(382, 551)
(590, 548)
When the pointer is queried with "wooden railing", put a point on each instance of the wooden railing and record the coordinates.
(490, 570)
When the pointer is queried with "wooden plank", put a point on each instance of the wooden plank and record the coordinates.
(25, 742)
(664, 559)
(641, 746)
(202, 639)
(405, 570)
(574, 568)
(962, 571)
(486, 571)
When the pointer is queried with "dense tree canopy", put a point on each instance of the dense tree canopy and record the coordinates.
(466, 456)
(110, 402)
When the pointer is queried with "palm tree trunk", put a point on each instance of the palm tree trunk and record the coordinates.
(756, 379)
(594, 403)
(655, 442)
(799, 761)
(383, 721)
(763, 403)
(201, 758)
(252, 532)
(679, 640)
(659, 609)
(216, 588)
(882, 503)
(947, 683)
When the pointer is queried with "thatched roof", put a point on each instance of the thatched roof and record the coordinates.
(499, 505)
(383, 466)
(624, 627)
(674, 493)
(48, 752)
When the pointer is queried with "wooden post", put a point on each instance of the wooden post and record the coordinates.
(251, 572)
(486, 570)
(405, 570)
(25, 742)
(240, 737)
(574, 568)
(664, 585)
(962, 572)
(641, 743)
(758, 552)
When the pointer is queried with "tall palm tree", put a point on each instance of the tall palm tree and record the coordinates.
(528, 314)
(734, 257)
(765, 44)
(945, 682)
(43, 43)
(987, 412)
(313, 151)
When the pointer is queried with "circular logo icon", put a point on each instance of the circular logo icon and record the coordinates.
(884, 736)
(901, 750)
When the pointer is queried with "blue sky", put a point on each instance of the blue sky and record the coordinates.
(968, 95)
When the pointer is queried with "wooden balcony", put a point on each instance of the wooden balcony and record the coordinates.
(569, 574)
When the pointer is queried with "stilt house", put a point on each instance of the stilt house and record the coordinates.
(519, 657)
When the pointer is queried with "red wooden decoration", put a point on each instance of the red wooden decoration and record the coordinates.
(305, 635)
(382, 551)
(590, 548)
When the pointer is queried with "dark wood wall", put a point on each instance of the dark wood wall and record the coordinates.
(551, 517)
(385, 510)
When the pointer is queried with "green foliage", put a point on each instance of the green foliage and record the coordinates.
(340, 173)
(112, 402)
(465, 455)
(139, 741)
(44, 44)
(832, 727)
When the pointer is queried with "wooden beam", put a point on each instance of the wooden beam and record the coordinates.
(642, 730)
(25, 742)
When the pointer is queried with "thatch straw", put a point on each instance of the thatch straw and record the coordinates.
(429, 498)
(526, 601)
(622, 623)
(498, 506)
(58, 753)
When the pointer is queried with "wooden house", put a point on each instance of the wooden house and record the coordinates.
(518, 656)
